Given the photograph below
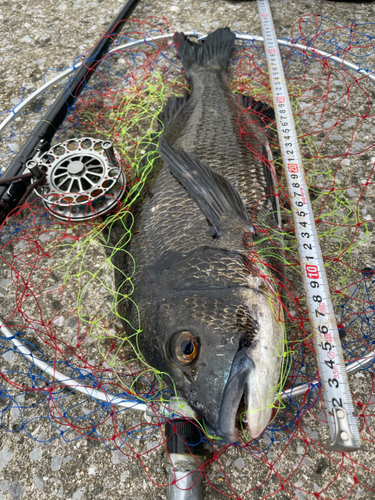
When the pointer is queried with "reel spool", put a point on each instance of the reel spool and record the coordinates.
(84, 179)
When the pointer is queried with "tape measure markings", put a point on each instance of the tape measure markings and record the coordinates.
(335, 386)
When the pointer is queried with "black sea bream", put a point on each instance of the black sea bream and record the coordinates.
(207, 322)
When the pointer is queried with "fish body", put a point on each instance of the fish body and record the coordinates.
(207, 322)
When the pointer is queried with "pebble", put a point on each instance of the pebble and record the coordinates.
(92, 470)
(59, 321)
(351, 192)
(63, 55)
(239, 463)
(328, 124)
(124, 475)
(151, 444)
(60, 493)
(307, 461)
(4, 486)
(351, 122)
(15, 413)
(335, 137)
(77, 495)
(267, 439)
(43, 439)
(26, 39)
(313, 434)
(39, 483)
(5, 456)
(55, 463)
(36, 454)
(71, 323)
(322, 418)
(86, 292)
(15, 491)
(299, 495)
(8, 356)
(45, 236)
(118, 457)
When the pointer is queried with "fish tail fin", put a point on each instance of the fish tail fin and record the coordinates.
(214, 51)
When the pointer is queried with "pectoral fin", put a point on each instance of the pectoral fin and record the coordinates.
(216, 197)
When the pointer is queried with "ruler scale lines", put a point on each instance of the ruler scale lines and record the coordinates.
(334, 380)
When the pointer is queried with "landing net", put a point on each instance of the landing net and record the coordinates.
(57, 287)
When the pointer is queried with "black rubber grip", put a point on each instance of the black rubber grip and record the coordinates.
(183, 436)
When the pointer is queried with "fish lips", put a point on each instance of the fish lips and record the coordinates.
(232, 395)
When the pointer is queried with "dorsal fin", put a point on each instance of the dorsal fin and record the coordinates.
(269, 174)
(266, 115)
(216, 197)
(262, 110)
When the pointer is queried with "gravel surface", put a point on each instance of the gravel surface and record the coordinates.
(37, 36)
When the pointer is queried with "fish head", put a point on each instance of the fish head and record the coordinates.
(219, 349)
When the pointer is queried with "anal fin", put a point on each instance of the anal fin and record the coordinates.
(171, 109)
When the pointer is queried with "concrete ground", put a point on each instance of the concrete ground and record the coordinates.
(49, 34)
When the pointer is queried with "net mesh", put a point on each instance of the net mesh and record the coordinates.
(57, 284)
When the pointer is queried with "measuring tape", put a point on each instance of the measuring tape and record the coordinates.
(334, 380)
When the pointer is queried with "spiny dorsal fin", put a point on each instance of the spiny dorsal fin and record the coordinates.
(214, 51)
(213, 194)
(170, 110)
(270, 179)
(262, 110)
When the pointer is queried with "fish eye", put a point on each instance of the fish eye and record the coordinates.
(185, 347)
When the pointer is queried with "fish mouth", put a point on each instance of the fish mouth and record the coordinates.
(238, 396)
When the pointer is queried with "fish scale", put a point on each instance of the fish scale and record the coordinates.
(216, 140)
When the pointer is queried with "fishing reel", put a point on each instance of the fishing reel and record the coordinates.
(84, 179)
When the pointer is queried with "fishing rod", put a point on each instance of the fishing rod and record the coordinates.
(14, 187)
